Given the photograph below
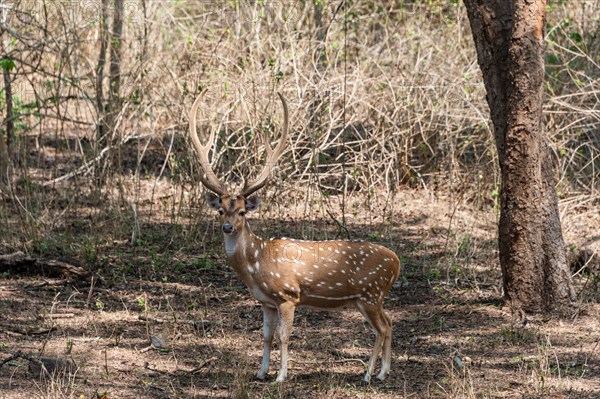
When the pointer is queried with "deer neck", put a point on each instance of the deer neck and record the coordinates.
(242, 249)
(236, 245)
(231, 243)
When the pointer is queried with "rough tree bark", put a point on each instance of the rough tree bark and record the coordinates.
(114, 82)
(101, 127)
(509, 38)
(8, 127)
(116, 44)
(8, 122)
(108, 110)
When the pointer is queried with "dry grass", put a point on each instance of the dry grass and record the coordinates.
(446, 306)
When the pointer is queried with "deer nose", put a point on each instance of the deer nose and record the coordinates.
(227, 228)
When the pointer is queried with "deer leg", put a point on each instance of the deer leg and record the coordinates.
(386, 358)
(270, 319)
(286, 317)
(373, 315)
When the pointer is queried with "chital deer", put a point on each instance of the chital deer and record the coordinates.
(285, 273)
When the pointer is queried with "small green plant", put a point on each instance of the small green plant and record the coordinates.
(90, 255)
(141, 302)
(42, 247)
(19, 108)
(434, 273)
(203, 263)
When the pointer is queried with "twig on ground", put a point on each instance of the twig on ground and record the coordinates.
(43, 365)
(60, 315)
(90, 292)
(317, 362)
(22, 331)
(203, 365)
(196, 323)
(20, 262)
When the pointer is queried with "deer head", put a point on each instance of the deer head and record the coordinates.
(233, 209)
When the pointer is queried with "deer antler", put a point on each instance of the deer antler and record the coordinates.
(208, 178)
(272, 155)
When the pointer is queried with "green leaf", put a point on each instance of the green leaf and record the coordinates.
(7, 64)
(576, 37)
(553, 59)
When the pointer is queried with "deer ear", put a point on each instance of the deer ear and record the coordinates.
(252, 203)
(214, 201)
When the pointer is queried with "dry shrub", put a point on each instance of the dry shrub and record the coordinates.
(383, 94)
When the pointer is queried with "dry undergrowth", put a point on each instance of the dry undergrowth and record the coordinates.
(453, 338)
(396, 103)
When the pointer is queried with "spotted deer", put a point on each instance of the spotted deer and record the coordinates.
(284, 273)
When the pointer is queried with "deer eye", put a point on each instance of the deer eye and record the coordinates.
(242, 213)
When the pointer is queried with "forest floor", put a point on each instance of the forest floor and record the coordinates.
(453, 336)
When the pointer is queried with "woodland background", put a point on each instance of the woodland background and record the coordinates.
(390, 142)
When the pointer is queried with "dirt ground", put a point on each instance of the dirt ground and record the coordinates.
(453, 337)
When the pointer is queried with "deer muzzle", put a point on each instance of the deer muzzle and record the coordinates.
(228, 228)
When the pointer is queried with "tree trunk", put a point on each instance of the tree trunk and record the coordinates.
(509, 38)
(108, 110)
(8, 128)
(101, 127)
(114, 84)
(115, 60)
